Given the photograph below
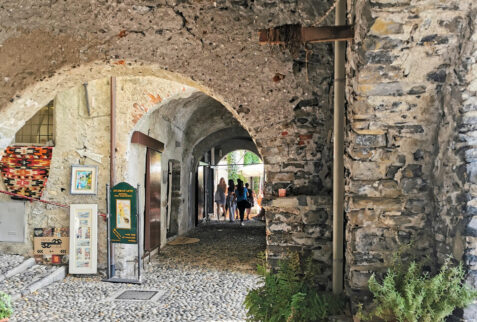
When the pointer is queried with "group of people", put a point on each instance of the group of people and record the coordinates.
(232, 198)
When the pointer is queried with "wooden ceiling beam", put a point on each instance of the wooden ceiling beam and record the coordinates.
(280, 35)
(146, 140)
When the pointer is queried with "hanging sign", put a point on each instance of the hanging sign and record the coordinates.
(123, 218)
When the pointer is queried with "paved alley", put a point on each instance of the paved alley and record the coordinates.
(204, 281)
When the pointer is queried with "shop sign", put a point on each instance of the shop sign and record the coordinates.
(51, 245)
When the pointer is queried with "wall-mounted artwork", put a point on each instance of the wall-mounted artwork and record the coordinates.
(25, 169)
(84, 179)
(83, 240)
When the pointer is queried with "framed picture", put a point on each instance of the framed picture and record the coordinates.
(84, 179)
(83, 239)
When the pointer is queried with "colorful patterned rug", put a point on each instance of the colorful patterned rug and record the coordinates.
(25, 169)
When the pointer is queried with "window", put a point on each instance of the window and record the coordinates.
(38, 129)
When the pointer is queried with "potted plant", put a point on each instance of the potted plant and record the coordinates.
(6, 309)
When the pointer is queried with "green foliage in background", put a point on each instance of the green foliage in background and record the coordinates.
(232, 168)
(290, 295)
(250, 158)
(408, 294)
(6, 309)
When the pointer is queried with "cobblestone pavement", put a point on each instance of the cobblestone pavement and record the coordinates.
(206, 281)
(7, 262)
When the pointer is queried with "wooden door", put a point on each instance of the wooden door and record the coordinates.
(200, 194)
(152, 221)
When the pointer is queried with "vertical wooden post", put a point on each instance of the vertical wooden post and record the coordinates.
(112, 131)
(338, 152)
(112, 155)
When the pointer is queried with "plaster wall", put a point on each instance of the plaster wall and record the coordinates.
(76, 130)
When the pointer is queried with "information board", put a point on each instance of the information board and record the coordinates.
(123, 219)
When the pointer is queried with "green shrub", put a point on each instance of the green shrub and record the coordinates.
(407, 294)
(290, 295)
(6, 309)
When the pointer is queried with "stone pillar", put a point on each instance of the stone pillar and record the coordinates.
(404, 157)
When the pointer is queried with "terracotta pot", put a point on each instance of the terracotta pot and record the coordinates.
(4, 320)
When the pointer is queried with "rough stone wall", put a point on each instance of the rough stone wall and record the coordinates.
(408, 132)
(466, 101)
(283, 102)
(299, 160)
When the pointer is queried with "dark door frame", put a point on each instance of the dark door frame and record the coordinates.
(151, 243)
(151, 144)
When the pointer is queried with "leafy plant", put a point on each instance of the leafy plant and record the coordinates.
(250, 158)
(290, 294)
(6, 309)
(408, 294)
(232, 168)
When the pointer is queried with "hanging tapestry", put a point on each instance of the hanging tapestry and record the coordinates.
(25, 169)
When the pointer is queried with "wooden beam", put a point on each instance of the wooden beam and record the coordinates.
(327, 33)
(295, 33)
(146, 140)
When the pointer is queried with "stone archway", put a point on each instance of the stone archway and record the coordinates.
(282, 101)
(32, 98)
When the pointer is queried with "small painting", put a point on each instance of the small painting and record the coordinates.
(84, 179)
(123, 214)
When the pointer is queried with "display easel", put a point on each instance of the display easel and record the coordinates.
(123, 194)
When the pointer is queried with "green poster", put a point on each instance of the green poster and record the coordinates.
(123, 219)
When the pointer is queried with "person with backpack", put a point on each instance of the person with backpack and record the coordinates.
(231, 203)
(241, 197)
(250, 202)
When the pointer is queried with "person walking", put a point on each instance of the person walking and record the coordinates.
(220, 198)
(250, 202)
(241, 196)
(231, 203)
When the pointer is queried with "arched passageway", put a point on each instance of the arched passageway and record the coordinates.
(283, 102)
(410, 127)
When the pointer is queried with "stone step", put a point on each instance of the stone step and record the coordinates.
(23, 266)
(31, 279)
(8, 262)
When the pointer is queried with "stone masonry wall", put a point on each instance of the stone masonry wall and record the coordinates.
(299, 160)
(466, 78)
(406, 127)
